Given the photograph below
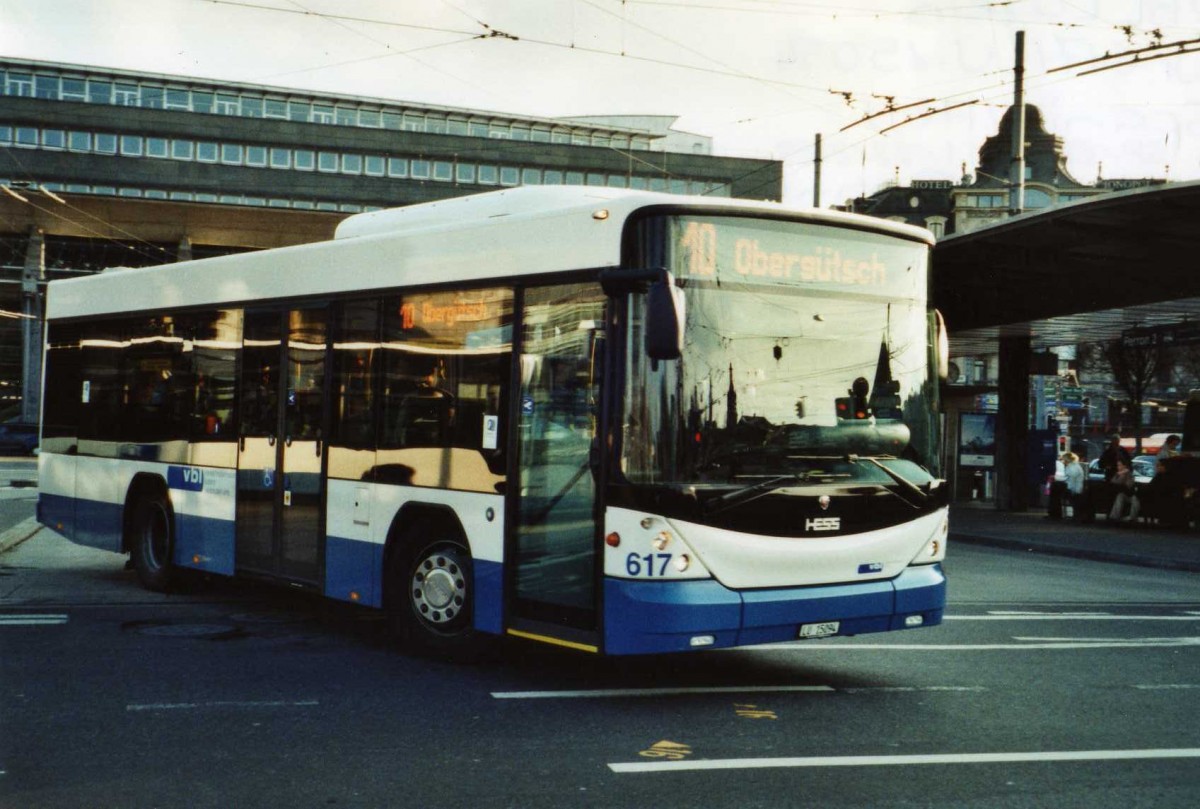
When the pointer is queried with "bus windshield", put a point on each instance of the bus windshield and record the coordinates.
(806, 359)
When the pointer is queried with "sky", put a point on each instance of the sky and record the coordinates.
(761, 77)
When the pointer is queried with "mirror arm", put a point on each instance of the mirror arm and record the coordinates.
(616, 282)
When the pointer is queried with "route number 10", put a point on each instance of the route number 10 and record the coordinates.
(699, 245)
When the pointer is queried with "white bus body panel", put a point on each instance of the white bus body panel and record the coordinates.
(500, 236)
(743, 561)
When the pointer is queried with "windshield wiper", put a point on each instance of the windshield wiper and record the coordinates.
(907, 485)
(736, 498)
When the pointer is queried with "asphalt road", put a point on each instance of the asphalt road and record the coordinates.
(1053, 683)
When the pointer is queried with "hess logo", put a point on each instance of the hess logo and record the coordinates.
(823, 523)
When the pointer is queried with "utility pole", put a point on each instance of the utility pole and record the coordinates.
(32, 273)
(1016, 194)
(817, 174)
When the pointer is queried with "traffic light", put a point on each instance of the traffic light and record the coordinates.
(885, 403)
(852, 407)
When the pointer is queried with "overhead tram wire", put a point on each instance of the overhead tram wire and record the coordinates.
(1181, 44)
(890, 109)
(857, 12)
(343, 17)
(497, 34)
(1137, 61)
(702, 54)
(340, 22)
(1003, 91)
(409, 53)
(913, 118)
(1177, 48)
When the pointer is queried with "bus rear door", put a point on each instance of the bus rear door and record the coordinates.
(281, 443)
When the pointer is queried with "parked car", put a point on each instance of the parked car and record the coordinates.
(1143, 470)
(18, 438)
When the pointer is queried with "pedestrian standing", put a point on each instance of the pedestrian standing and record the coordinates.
(1057, 489)
(1122, 481)
(1104, 495)
(1113, 453)
(1170, 448)
(1075, 477)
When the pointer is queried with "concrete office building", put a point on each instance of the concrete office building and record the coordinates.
(106, 167)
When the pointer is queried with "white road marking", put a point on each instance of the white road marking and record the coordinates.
(1173, 641)
(189, 706)
(902, 760)
(1168, 687)
(655, 692)
(1068, 616)
(1043, 612)
(910, 688)
(1029, 644)
(754, 689)
(32, 620)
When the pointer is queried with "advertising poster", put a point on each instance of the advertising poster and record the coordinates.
(977, 440)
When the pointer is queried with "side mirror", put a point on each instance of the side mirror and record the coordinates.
(665, 317)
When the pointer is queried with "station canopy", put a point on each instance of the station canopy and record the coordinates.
(1086, 271)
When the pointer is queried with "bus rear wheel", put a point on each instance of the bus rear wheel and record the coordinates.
(431, 595)
(152, 543)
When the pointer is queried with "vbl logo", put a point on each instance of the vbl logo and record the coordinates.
(185, 478)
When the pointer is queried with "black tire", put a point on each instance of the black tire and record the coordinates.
(152, 542)
(431, 593)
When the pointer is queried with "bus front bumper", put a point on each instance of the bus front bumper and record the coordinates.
(655, 617)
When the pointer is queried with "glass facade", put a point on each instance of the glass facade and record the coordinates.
(352, 163)
(446, 165)
(70, 85)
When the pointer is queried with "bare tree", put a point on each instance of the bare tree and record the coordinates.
(1187, 362)
(1134, 368)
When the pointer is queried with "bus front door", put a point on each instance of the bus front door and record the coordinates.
(281, 443)
(557, 536)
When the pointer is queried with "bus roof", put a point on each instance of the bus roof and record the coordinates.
(518, 232)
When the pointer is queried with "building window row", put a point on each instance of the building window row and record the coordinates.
(982, 201)
(252, 200)
(133, 93)
(336, 162)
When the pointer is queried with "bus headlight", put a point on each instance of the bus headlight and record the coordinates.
(935, 549)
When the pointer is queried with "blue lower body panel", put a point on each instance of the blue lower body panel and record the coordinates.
(99, 525)
(651, 617)
(354, 572)
(57, 513)
(204, 544)
(353, 568)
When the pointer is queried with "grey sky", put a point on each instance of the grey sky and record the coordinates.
(760, 76)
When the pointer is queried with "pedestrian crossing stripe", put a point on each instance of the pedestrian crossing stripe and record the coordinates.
(32, 620)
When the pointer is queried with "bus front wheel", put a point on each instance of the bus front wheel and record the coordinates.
(153, 541)
(430, 585)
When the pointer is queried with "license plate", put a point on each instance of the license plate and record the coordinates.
(822, 630)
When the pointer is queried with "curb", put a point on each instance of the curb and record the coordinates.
(19, 533)
(1078, 553)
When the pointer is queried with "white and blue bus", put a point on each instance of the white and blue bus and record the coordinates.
(616, 421)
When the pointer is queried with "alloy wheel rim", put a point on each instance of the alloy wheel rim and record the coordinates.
(438, 590)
